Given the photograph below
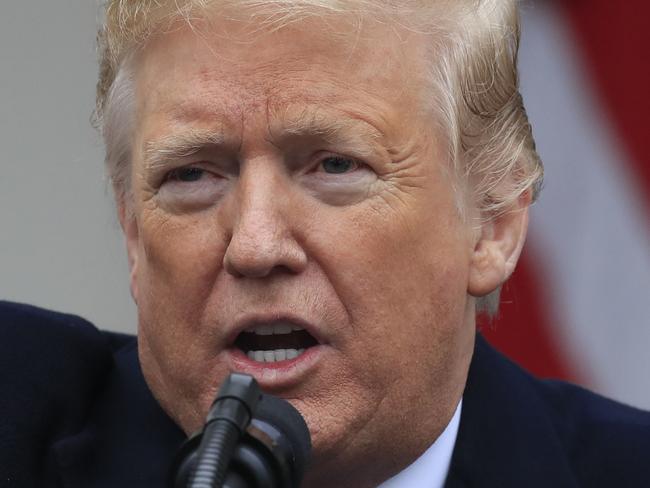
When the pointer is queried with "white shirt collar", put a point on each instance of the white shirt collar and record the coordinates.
(431, 468)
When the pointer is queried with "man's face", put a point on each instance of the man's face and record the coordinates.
(293, 180)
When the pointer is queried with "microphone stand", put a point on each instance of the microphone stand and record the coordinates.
(237, 450)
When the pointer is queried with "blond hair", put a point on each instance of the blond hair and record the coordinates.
(474, 83)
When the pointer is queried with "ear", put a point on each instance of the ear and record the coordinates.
(129, 226)
(498, 247)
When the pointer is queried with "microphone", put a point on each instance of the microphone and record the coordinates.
(250, 440)
(283, 424)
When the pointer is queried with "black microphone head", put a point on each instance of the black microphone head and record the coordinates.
(286, 418)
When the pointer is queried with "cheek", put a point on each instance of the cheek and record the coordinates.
(380, 262)
(178, 264)
(181, 252)
(402, 278)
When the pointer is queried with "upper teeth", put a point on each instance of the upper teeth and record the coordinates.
(277, 328)
(275, 355)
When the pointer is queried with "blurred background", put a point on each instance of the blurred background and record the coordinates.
(578, 306)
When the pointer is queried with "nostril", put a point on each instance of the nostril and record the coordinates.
(258, 259)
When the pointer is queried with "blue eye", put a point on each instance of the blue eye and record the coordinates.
(186, 175)
(337, 165)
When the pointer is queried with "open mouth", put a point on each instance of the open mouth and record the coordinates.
(278, 341)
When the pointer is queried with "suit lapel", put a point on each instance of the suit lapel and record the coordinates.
(506, 438)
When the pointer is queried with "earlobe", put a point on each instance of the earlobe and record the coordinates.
(131, 235)
(498, 248)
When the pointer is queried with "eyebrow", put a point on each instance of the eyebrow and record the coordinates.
(340, 129)
(180, 145)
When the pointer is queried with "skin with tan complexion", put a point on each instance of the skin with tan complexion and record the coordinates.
(295, 179)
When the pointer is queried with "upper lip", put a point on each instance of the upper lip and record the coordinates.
(253, 320)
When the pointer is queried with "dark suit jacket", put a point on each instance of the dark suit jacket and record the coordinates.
(75, 412)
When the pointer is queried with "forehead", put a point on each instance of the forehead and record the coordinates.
(221, 66)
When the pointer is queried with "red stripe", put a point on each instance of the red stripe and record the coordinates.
(523, 328)
(615, 40)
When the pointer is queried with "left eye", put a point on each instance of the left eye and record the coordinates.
(338, 165)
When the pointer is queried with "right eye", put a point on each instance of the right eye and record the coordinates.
(185, 175)
(191, 188)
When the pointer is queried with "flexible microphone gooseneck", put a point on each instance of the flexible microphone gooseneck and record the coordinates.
(250, 440)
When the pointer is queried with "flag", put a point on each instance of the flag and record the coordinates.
(578, 304)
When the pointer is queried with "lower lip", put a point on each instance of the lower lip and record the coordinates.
(279, 374)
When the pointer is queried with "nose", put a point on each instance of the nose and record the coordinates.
(263, 238)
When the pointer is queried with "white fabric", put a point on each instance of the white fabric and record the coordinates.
(431, 468)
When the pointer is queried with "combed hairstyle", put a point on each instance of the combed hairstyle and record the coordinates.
(474, 93)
